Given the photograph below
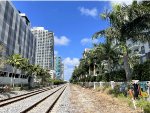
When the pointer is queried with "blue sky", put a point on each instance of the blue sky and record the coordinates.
(73, 24)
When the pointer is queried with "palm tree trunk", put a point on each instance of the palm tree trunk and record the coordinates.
(89, 70)
(127, 67)
(109, 67)
(94, 70)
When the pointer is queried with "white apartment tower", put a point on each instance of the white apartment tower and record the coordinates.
(44, 48)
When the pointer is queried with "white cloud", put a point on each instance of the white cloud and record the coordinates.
(55, 52)
(69, 65)
(71, 62)
(68, 72)
(88, 12)
(88, 41)
(63, 40)
(127, 2)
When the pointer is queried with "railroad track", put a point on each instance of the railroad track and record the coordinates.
(7, 101)
(46, 99)
(46, 104)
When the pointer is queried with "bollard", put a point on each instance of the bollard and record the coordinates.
(112, 83)
(148, 87)
(94, 85)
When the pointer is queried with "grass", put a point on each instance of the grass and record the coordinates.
(141, 103)
(145, 105)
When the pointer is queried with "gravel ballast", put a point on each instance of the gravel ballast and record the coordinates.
(77, 99)
(63, 104)
(19, 106)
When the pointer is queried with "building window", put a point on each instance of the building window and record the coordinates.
(143, 50)
(136, 50)
(129, 45)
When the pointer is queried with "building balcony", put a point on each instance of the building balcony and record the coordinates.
(138, 53)
(135, 45)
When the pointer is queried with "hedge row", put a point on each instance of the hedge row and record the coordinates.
(140, 72)
(113, 76)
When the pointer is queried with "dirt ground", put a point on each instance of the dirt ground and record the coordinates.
(85, 100)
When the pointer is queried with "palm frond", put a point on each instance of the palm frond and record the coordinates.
(98, 34)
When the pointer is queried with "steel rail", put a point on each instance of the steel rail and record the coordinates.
(23, 97)
(23, 94)
(34, 105)
(52, 106)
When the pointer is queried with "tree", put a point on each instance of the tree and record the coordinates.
(122, 19)
(24, 66)
(15, 61)
(44, 75)
(109, 54)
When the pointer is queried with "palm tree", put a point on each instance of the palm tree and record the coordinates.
(122, 19)
(88, 61)
(109, 54)
(42, 74)
(24, 66)
(15, 61)
(32, 70)
(83, 67)
(91, 61)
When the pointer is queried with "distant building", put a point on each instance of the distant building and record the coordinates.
(59, 68)
(53, 74)
(76, 66)
(87, 50)
(44, 48)
(17, 38)
(62, 71)
(140, 49)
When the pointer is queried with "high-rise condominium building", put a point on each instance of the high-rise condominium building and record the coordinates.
(59, 67)
(44, 48)
(62, 71)
(15, 33)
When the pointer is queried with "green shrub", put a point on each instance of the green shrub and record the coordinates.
(142, 71)
(16, 88)
(117, 76)
(24, 88)
(98, 78)
(93, 79)
(87, 79)
(116, 91)
(105, 77)
(147, 108)
(144, 104)
(56, 81)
